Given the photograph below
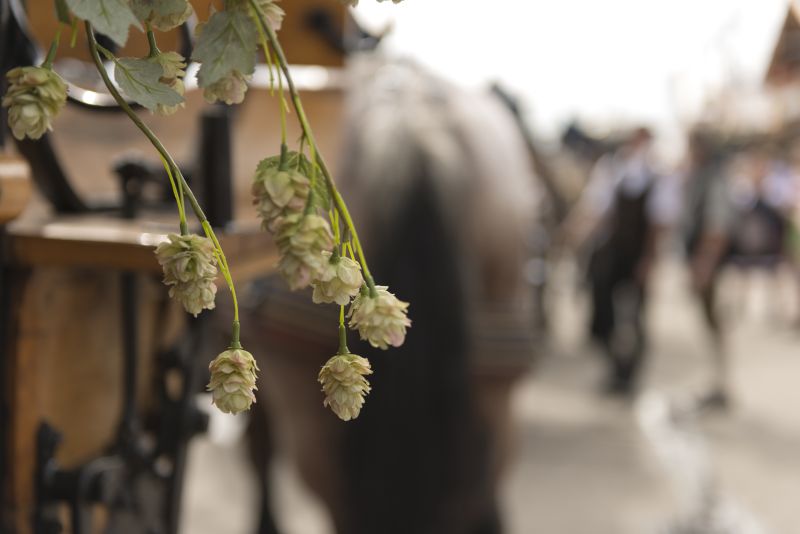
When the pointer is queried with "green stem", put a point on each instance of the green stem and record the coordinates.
(342, 333)
(283, 104)
(51, 53)
(309, 135)
(93, 48)
(178, 192)
(223, 264)
(235, 344)
(151, 40)
(73, 37)
(198, 211)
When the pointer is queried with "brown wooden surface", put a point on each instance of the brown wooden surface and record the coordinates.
(66, 354)
(303, 46)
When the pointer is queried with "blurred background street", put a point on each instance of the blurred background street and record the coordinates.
(583, 464)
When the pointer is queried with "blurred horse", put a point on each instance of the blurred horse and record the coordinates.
(445, 198)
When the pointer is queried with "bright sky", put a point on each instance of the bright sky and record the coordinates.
(600, 60)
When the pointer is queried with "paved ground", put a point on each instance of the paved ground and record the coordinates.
(586, 464)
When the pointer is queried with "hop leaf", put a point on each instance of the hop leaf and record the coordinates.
(344, 385)
(109, 17)
(233, 381)
(382, 320)
(227, 43)
(35, 96)
(140, 79)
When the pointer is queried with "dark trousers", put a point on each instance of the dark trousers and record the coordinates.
(617, 323)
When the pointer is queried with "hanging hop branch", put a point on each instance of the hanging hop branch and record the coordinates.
(290, 191)
(35, 96)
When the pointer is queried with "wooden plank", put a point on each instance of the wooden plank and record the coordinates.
(20, 397)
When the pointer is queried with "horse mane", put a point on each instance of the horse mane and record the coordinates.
(441, 191)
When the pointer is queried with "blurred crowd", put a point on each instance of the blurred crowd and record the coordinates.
(730, 202)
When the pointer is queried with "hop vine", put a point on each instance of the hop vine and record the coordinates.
(294, 192)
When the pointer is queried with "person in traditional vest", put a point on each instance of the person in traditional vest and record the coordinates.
(623, 210)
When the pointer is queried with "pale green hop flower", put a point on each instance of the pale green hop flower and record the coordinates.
(172, 66)
(233, 381)
(152, 12)
(382, 320)
(277, 193)
(189, 268)
(230, 89)
(34, 97)
(170, 21)
(195, 296)
(338, 282)
(302, 240)
(186, 258)
(344, 385)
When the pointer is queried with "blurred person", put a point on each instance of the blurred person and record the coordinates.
(709, 221)
(764, 194)
(443, 193)
(621, 214)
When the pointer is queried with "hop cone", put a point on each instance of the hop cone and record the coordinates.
(189, 269)
(344, 385)
(230, 89)
(233, 380)
(195, 296)
(163, 16)
(278, 193)
(338, 282)
(172, 65)
(302, 240)
(165, 23)
(382, 320)
(186, 258)
(35, 96)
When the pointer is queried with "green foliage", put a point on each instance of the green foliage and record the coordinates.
(227, 42)
(139, 80)
(109, 17)
(321, 197)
